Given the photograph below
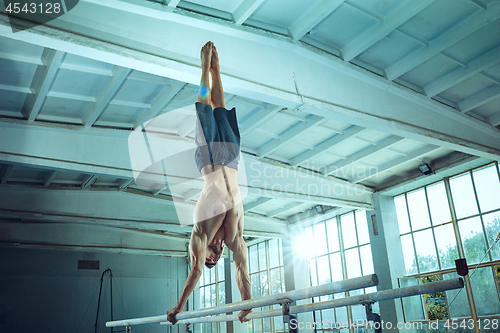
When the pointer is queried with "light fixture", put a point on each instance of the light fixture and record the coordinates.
(425, 169)
(319, 209)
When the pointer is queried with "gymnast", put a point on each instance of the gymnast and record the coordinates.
(218, 215)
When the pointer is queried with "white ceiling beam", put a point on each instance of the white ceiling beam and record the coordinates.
(173, 3)
(160, 102)
(393, 163)
(130, 104)
(325, 145)
(42, 82)
(106, 94)
(484, 96)
(335, 168)
(258, 118)
(494, 119)
(281, 210)
(289, 135)
(21, 58)
(458, 75)
(313, 17)
(86, 69)
(49, 178)
(84, 237)
(444, 41)
(125, 183)
(6, 174)
(245, 9)
(391, 108)
(491, 77)
(252, 205)
(480, 4)
(74, 97)
(88, 181)
(23, 90)
(392, 22)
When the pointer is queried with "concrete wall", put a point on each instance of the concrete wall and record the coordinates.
(43, 291)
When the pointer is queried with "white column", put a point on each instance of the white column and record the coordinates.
(388, 261)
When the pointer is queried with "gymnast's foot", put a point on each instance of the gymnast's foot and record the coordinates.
(206, 56)
(214, 66)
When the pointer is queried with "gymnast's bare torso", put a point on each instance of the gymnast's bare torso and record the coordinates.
(218, 215)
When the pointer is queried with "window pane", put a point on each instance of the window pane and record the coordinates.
(264, 285)
(438, 203)
(358, 313)
(460, 307)
(262, 256)
(323, 270)
(275, 281)
(257, 324)
(223, 327)
(278, 324)
(485, 292)
(426, 251)
(283, 279)
(207, 297)
(348, 231)
(312, 271)
(201, 281)
(435, 303)
(352, 263)
(341, 314)
(492, 226)
(336, 267)
(464, 199)
(206, 272)
(333, 235)
(213, 295)
(267, 325)
(254, 261)
(202, 297)
(402, 213)
(473, 241)
(487, 188)
(320, 239)
(419, 213)
(220, 272)
(412, 306)
(362, 227)
(280, 251)
(366, 259)
(447, 245)
(409, 254)
(222, 293)
(273, 253)
(254, 282)
(212, 274)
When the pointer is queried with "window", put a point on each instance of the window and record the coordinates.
(341, 250)
(438, 221)
(265, 261)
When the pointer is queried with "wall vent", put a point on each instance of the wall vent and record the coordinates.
(88, 264)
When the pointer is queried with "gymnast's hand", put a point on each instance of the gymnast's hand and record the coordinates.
(242, 315)
(171, 315)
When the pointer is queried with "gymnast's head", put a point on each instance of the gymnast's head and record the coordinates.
(214, 252)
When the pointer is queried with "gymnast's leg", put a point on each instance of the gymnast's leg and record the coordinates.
(217, 91)
(204, 94)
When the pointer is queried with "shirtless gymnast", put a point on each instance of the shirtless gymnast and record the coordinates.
(218, 215)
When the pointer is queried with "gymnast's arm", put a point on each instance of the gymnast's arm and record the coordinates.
(197, 249)
(239, 249)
